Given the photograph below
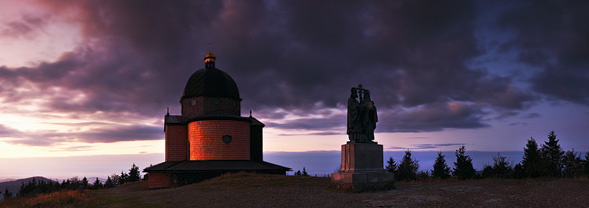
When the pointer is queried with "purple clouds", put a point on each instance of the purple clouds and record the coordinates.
(303, 57)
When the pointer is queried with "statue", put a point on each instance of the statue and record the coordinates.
(362, 157)
(354, 121)
(362, 116)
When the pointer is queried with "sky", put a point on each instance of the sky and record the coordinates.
(93, 79)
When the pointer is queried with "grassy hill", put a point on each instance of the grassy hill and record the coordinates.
(251, 190)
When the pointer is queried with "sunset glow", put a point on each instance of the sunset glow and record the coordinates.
(94, 78)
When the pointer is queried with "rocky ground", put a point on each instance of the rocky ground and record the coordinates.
(247, 190)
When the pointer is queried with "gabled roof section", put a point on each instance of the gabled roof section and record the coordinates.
(170, 119)
(214, 165)
(256, 122)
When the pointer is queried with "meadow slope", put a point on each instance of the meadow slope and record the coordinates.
(251, 190)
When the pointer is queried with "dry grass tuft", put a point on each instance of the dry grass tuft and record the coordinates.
(67, 198)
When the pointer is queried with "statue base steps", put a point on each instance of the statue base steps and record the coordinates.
(362, 169)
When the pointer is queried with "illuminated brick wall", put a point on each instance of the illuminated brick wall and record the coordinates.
(158, 180)
(204, 105)
(206, 143)
(176, 143)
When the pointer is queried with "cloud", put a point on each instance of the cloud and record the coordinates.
(434, 146)
(532, 115)
(4, 131)
(28, 27)
(553, 36)
(105, 134)
(136, 56)
(431, 117)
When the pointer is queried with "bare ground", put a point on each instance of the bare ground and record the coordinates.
(250, 190)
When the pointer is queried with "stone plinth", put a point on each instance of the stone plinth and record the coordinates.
(362, 169)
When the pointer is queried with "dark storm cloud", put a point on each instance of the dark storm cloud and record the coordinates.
(552, 35)
(434, 146)
(532, 115)
(122, 133)
(310, 124)
(431, 117)
(298, 56)
(104, 134)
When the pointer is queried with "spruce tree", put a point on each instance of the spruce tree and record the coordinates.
(501, 167)
(518, 171)
(391, 165)
(463, 168)
(531, 160)
(441, 169)
(84, 182)
(7, 194)
(552, 154)
(586, 164)
(407, 169)
(108, 183)
(97, 184)
(123, 178)
(572, 164)
(488, 171)
(134, 174)
(304, 172)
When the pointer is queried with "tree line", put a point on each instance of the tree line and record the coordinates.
(35, 187)
(548, 160)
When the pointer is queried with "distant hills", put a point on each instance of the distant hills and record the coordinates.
(14, 185)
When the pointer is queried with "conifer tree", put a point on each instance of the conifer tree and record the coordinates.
(407, 169)
(552, 154)
(84, 182)
(501, 167)
(115, 179)
(531, 160)
(572, 164)
(123, 178)
(463, 168)
(441, 169)
(97, 184)
(304, 172)
(488, 171)
(134, 174)
(108, 183)
(7, 194)
(391, 165)
(586, 164)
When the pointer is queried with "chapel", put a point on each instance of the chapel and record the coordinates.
(210, 137)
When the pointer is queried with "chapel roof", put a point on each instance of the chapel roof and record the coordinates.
(211, 82)
(215, 165)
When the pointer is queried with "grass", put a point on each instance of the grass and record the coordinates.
(295, 191)
(67, 198)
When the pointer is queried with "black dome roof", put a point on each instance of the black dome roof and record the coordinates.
(211, 82)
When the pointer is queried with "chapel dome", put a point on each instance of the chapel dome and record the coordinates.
(211, 82)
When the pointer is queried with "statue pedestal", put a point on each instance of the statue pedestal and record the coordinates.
(362, 169)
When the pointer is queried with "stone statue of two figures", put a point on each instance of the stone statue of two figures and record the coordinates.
(362, 116)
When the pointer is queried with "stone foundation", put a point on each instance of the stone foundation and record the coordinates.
(362, 169)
